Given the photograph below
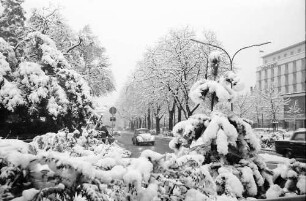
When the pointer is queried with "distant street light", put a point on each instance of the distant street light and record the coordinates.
(231, 59)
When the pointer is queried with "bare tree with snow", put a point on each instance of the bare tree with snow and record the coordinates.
(273, 103)
(294, 111)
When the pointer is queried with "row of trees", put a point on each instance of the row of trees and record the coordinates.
(158, 89)
(267, 105)
(47, 71)
(159, 86)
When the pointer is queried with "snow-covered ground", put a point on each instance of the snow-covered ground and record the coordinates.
(274, 158)
(58, 163)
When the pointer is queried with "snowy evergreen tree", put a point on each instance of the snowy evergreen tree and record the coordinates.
(43, 84)
(83, 50)
(95, 68)
(12, 21)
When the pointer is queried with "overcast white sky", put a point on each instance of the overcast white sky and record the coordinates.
(127, 27)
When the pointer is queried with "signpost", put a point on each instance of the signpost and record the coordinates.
(113, 111)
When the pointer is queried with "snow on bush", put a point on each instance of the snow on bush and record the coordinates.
(214, 57)
(7, 51)
(59, 163)
(4, 67)
(10, 95)
(221, 88)
(268, 138)
(33, 79)
(42, 81)
(215, 158)
(49, 53)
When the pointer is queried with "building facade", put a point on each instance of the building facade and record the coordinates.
(285, 71)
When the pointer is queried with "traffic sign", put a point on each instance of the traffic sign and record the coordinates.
(113, 119)
(112, 110)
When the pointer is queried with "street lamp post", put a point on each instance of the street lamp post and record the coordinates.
(231, 59)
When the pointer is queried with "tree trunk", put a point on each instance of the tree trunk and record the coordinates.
(149, 119)
(132, 125)
(179, 114)
(171, 114)
(173, 117)
(294, 124)
(140, 122)
(157, 119)
(152, 123)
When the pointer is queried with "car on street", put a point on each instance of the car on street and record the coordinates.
(295, 147)
(117, 133)
(142, 136)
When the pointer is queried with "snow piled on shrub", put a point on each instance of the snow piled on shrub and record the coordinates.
(50, 54)
(221, 88)
(10, 95)
(100, 171)
(215, 158)
(4, 67)
(31, 77)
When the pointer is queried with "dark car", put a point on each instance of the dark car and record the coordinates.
(295, 147)
(143, 136)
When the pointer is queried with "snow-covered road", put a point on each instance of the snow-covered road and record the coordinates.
(161, 144)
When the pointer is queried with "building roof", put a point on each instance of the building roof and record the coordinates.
(284, 49)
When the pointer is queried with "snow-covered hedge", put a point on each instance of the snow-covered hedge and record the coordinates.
(64, 165)
(215, 158)
(268, 138)
(205, 166)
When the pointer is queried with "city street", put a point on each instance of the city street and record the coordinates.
(125, 140)
(161, 146)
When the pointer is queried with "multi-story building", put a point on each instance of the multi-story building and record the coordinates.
(285, 70)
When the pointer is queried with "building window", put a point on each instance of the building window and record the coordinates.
(272, 72)
(266, 74)
(285, 54)
(287, 89)
(303, 64)
(259, 85)
(279, 89)
(294, 78)
(303, 86)
(279, 70)
(286, 80)
(286, 68)
(291, 52)
(279, 81)
(294, 88)
(278, 57)
(304, 76)
(299, 50)
(272, 80)
(259, 75)
(294, 66)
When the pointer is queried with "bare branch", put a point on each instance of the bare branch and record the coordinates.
(71, 48)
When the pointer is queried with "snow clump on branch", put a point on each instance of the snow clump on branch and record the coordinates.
(221, 88)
